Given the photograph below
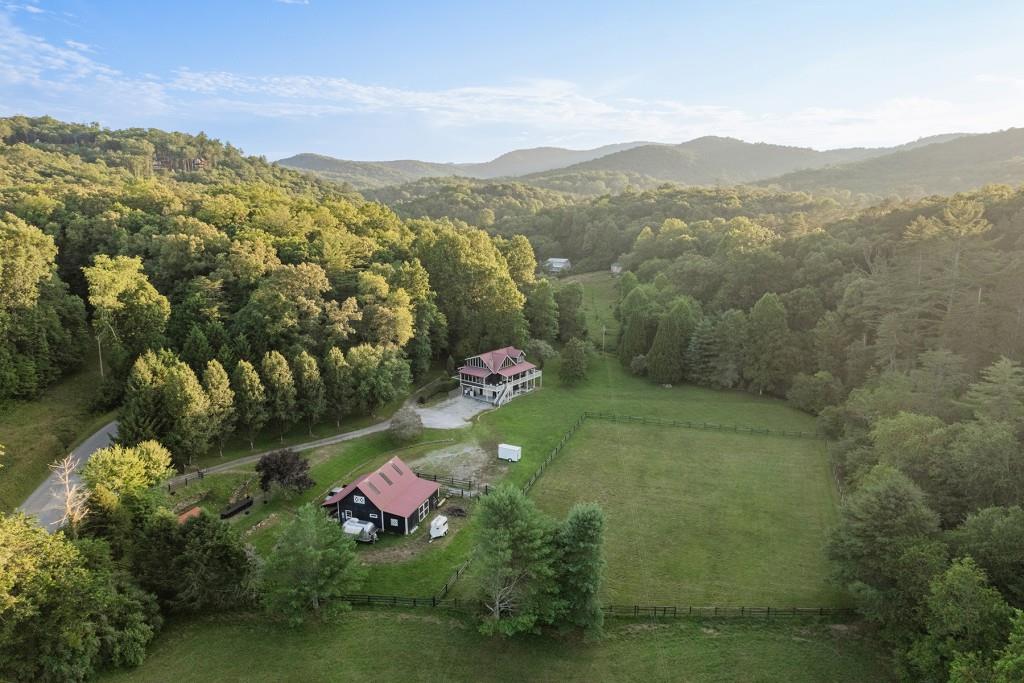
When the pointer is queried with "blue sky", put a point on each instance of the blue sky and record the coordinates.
(466, 81)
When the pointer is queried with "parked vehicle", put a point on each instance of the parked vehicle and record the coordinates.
(364, 532)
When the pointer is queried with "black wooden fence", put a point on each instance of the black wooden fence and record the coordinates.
(712, 426)
(455, 483)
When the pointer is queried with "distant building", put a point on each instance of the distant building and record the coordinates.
(498, 376)
(392, 497)
(557, 266)
(616, 268)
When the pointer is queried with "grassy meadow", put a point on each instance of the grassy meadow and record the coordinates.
(385, 645)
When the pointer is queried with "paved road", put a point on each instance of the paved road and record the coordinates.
(309, 445)
(47, 502)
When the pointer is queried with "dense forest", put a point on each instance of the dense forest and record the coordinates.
(225, 295)
(902, 327)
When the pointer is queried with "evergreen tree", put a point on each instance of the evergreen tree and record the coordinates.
(634, 340)
(337, 386)
(250, 400)
(197, 349)
(700, 353)
(313, 565)
(164, 401)
(666, 359)
(574, 363)
(312, 394)
(768, 359)
(730, 345)
(280, 387)
(514, 560)
(569, 304)
(212, 568)
(999, 394)
(580, 567)
(541, 310)
(222, 402)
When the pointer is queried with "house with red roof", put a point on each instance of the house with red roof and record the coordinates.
(392, 497)
(498, 376)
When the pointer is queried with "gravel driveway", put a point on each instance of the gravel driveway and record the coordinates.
(452, 413)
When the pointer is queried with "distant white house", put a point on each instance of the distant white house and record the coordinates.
(616, 268)
(558, 266)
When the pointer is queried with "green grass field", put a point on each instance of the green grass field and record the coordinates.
(429, 646)
(702, 518)
(36, 433)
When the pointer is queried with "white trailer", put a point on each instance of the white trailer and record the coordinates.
(507, 451)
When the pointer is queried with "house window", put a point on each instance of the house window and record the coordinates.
(373, 515)
(394, 522)
(347, 514)
(424, 509)
(359, 500)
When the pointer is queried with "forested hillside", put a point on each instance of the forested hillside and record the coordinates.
(167, 241)
(903, 328)
(369, 175)
(946, 167)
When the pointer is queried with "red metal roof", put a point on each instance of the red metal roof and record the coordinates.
(392, 488)
(475, 372)
(494, 359)
(517, 368)
(189, 514)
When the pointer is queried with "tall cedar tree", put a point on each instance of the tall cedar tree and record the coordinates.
(250, 400)
(515, 561)
(280, 386)
(574, 363)
(634, 311)
(700, 353)
(768, 356)
(212, 568)
(541, 310)
(285, 468)
(313, 565)
(666, 359)
(222, 403)
(165, 402)
(337, 385)
(580, 568)
(310, 389)
(569, 301)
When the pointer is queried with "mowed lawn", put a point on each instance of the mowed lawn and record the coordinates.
(431, 646)
(702, 518)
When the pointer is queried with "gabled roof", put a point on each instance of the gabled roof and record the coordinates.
(392, 488)
(496, 358)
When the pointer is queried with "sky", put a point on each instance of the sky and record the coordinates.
(467, 81)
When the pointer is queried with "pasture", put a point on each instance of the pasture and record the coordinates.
(701, 517)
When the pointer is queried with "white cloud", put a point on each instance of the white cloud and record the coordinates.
(67, 80)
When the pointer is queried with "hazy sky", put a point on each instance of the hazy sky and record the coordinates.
(466, 81)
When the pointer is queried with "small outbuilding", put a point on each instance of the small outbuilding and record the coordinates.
(507, 451)
(392, 497)
(616, 268)
(557, 266)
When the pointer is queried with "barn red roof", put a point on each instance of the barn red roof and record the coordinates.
(493, 360)
(392, 488)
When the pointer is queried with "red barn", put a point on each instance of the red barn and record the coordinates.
(392, 497)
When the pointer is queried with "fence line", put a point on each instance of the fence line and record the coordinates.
(466, 484)
(621, 611)
(710, 426)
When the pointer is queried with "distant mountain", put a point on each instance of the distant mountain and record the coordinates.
(713, 161)
(940, 165)
(364, 175)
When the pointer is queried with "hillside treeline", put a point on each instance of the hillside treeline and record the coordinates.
(903, 328)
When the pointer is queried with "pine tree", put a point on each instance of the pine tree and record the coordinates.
(999, 394)
(196, 349)
(730, 346)
(222, 402)
(280, 385)
(666, 359)
(250, 399)
(633, 340)
(313, 565)
(337, 387)
(580, 567)
(768, 346)
(700, 353)
(312, 395)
